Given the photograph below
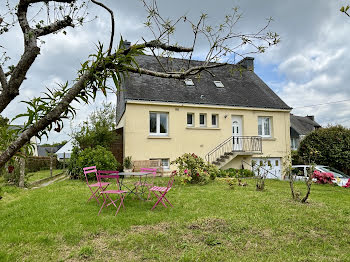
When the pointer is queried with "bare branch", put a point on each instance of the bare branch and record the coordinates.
(160, 45)
(112, 23)
(54, 27)
(176, 75)
(3, 79)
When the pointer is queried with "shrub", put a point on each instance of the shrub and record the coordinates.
(99, 156)
(327, 146)
(237, 173)
(193, 169)
(37, 163)
(323, 177)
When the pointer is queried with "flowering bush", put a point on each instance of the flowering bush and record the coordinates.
(347, 184)
(193, 169)
(323, 177)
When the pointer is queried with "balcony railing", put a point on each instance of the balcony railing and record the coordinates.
(235, 144)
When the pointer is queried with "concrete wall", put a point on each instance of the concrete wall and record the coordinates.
(199, 140)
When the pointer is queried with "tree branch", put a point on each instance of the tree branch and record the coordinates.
(45, 121)
(159, 44)
(17, 76)
(112, 23)
(3, 79)
(176, 75)
(54, 27)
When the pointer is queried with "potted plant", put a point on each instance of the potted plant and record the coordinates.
(128, 164)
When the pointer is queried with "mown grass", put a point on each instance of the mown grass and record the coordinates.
(35, 176)
(207, 223)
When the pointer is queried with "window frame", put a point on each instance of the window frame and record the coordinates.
(263, 131)
(205, 120)
(158, 133)
(216, 120)
(192, 114)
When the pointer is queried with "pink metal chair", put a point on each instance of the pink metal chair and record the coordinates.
(99, 187)
(149, 185)
(160, 192)
(106, 194)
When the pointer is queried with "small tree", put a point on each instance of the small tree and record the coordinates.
(97, 130)
(288, 172)
(261, 172)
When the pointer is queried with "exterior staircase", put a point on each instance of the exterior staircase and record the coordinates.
(233, 147)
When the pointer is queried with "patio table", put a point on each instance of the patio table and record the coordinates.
(142, 179)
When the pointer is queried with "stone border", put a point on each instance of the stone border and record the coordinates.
(38, 182)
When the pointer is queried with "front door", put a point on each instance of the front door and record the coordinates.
(237, 133)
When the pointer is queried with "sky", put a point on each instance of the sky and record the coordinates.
(308, 69)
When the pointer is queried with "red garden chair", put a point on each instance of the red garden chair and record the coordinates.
(96, 193)
(160, 192)
(146, 184)
(106, 194)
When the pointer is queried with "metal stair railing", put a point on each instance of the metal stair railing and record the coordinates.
(235, 144)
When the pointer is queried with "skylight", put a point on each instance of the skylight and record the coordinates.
(218, 84)
(189, 82)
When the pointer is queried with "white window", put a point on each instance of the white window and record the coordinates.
(202, 119)
(189, 82)
(214, 120)
(165, 162)
(294, 143)
(190, 119)
(158, 124)
(218, 84)
(264, 126)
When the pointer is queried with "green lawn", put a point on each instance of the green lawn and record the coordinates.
(35, 176)
(207, 223)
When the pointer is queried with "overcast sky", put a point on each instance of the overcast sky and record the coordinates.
(310, 66)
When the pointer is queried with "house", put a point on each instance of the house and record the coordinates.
(229, 116)
(300, 126)
(45, 151)
(65, 151)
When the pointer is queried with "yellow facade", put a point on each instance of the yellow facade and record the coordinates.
(181, 139)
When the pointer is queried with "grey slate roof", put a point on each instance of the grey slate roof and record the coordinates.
(302, 125)
(45, 150)
(244, 89)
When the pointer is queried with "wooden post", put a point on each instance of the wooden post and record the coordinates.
(51, 163)
(22, 164)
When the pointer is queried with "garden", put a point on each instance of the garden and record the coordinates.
(217, 215)
(210, 222)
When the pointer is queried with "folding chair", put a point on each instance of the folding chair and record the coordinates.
(106, 193)
(160, 192)
(149, 185)
(92, 169)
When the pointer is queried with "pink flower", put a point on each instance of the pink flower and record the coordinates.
(185, 171)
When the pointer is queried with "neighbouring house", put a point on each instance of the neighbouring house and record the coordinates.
(47, 150)
(229, 116)
(300, 126)
(65, 151)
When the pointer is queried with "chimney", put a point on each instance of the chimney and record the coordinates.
(126, 44)
(311, 118)
(247, 62)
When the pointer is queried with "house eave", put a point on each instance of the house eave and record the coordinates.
(203, 105)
